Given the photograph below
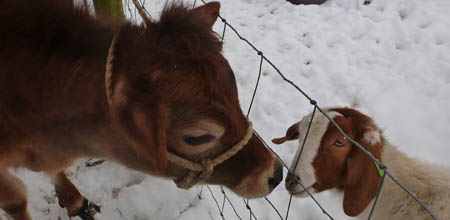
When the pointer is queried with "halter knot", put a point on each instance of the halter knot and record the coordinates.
(193, 177)
(200, 172)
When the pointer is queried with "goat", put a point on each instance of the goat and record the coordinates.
(331, 162)
(159, 98)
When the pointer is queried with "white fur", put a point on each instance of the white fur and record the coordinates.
(431, 184)
(305, 170)
(372, 136)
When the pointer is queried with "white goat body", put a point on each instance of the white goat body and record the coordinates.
(430, 183)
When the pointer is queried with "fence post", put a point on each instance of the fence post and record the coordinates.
(109, 8)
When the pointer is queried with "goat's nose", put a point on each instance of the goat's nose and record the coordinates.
(290, 182)
(276, 179)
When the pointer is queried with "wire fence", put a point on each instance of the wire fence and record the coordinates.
(221, 205)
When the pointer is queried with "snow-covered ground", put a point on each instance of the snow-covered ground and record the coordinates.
(389, 59)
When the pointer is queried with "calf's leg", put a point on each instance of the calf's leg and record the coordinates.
(13, 199)
(71, 199)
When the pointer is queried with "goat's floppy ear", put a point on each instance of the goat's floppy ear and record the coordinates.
(143, 125)
(208, 12)
(292, 133)
(362, 180)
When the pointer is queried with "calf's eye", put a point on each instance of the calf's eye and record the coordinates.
(339, 143)
(198, 140)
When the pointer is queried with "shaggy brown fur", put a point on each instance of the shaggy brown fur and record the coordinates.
(167, 77)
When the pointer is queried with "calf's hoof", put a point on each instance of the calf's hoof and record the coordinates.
(88, 210)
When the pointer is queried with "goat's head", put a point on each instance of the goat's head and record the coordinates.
(330, 161)
(174, 91)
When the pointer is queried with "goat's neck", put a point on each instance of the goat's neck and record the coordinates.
(415, 174)
(423, 179)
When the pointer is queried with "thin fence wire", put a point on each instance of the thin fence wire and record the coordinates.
(133, 16)
(263, 58)
(215, 200)
(273, 206)
(247, 205)
(143, 6)
(300, 183)
(229, 201)
(378, 195)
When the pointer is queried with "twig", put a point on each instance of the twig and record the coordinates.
(144, 15)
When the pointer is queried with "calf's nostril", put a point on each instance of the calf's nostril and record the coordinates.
(273, 182)
(276, 179)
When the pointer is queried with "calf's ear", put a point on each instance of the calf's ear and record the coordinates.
(208, 12)
(292, 133)
(144, 125)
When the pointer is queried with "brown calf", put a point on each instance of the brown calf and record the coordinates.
(169, 90)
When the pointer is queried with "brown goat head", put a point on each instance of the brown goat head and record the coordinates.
(330, 161)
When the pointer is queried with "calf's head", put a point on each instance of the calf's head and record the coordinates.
(329, 161)
(173, 91)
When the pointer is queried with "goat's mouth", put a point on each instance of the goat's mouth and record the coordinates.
(304, 192)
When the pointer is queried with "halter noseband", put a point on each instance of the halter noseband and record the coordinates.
(203, 170)
(198, 171)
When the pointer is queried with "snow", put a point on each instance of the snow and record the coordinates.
(389, 59)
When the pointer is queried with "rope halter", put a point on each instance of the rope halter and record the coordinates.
(109, 69)
(199, 171)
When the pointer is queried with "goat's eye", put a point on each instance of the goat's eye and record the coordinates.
(194, 141)
(339, 143)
